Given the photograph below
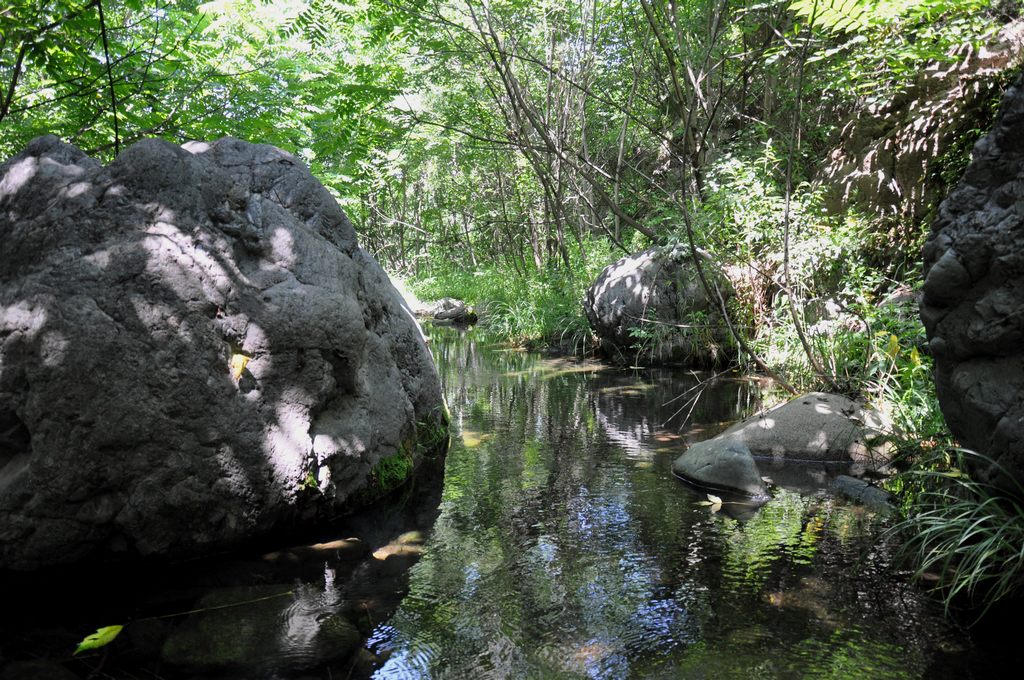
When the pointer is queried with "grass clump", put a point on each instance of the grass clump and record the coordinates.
(966, 534)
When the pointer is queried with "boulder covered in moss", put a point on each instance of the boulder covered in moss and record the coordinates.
(194, 353)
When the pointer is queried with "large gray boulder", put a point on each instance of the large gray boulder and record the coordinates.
(815, 428)
(974, 297)
(652, 307)
(194, 352)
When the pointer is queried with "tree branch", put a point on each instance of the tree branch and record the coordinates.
(5, 106)
(110, 78)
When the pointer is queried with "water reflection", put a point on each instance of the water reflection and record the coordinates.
(565, 548)
(301, 612)
(560, 546)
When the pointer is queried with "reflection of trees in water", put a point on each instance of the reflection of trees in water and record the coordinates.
(661, 410)
(558, 552)
(543, 540)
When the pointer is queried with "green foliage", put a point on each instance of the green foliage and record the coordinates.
(745, 201)
(898, 374)
(193, 70)
(650, 338)
(391, 472)
(850, 16)
(950, 166)
(867, 347)
(966, 534)
(432, 434)
(875, 48)
(101, 638)
(871, 349)
(542, 305)
(309, 482)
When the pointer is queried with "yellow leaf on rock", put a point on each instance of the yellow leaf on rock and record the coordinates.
(238, 363)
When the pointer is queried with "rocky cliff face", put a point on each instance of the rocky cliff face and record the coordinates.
(194, 352)
(973, 303)
(888, 156)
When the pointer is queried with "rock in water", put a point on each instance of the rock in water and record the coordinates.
(194, 352)
(652, 307)
(864, 493)
(973, 304)
(722, 464)
(450, 310)
(816, 427)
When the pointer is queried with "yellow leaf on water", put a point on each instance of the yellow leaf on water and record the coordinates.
(238, 363)
(472, 439)
(715, 500)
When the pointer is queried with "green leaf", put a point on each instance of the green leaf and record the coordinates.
(101, 638)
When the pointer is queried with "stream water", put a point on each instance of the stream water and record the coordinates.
(559, 546)
(566, 548)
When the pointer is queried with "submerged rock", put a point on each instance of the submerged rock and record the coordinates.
(652, 307)
(814, 428)
(194, 352)
(974, 297)
(864, 493)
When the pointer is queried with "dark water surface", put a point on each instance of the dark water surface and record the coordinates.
(560, 546)
(566, 548)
